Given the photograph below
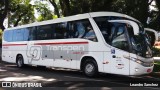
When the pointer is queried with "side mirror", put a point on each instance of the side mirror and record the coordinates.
(152, 35)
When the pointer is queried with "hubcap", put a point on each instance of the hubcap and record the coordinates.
(89, 68)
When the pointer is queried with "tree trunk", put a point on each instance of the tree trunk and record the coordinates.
(4, 15)
(55, 7)
(19, 19)
(158, 17)
(65, 6)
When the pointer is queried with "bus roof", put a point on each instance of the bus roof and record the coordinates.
(74, 17)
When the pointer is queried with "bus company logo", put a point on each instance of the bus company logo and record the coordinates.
(34, 52)
(6, 84)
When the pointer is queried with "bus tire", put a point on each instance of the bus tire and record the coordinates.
(90, 68)
(20, 61)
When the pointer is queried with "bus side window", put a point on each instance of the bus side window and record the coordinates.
(32, 33)
(26, 34)
(80, 29)
(71, 31)
(44, 32)
(83, 29)
(61, 30)
(18, 35)
(105, 27)
(8, 35)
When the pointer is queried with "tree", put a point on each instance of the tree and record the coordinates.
(156, 22)
(23, 14)
(18, 11)
(53, 2)
(4, 4)
(138, 9)
(44, 12)
(72, 7)
(1, 37)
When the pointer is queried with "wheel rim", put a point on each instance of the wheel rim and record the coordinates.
(89, 69)
(19, 62)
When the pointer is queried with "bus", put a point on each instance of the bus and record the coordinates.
(96, 42)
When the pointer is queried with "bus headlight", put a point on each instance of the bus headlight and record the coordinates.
(146, 64)
(138, 61)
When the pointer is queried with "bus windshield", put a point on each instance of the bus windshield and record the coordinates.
(140, 43)
(121, 36)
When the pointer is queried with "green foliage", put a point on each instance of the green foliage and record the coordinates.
(17, 11)
(156, 52)
(85, 6)
(54, 16)
(156, 66)
(23, 14)
(43, 10)
(138, 9)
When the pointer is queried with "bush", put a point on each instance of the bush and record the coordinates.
(156, 66)
(156, 52)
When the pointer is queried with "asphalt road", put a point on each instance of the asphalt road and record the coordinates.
(65, 79)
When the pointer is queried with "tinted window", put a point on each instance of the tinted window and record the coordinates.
(104, 26)
(26, 34)
(61, 30)
(45, 32)
(32, 33)
(18, 35)
(8, 35)
(118, 37)
(81, 29)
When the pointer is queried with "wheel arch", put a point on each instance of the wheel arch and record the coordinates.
(18, 55)
(85, 58)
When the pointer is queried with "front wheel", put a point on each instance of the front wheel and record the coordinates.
(90, 68)
(20, 61)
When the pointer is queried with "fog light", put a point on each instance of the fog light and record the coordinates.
(136, 69)
(148, 70)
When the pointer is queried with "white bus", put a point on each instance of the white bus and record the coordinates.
(94, 42)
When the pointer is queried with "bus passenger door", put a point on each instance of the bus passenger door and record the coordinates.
(120, 65)
(119, 40)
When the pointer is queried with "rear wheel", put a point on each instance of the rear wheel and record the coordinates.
(90, 68)
(20, 61)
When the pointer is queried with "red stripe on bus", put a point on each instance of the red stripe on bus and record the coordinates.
(61, 43)
(14, 44)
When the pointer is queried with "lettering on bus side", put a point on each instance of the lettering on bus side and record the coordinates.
(71, 51)
(67, 51)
